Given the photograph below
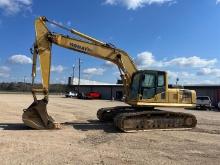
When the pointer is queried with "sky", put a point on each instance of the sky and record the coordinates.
(181, 37)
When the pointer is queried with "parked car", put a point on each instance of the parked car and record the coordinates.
(93, 95)
(203, 102)
(71, 94)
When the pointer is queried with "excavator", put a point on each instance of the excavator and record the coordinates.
(145, 90)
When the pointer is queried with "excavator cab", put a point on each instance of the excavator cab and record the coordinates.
(146, 84)
(150, 88)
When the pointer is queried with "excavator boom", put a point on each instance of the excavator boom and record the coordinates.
(86, 45)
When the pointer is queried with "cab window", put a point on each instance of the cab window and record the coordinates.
(148, 81)
(161, 81)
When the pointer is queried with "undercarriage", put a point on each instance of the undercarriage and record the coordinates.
(132, 119)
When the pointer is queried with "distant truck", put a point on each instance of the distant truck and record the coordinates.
(71, 94)
(203, 102)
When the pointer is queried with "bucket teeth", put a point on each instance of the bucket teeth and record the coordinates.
(36, 116)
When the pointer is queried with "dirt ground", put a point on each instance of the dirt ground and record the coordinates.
(86, 141)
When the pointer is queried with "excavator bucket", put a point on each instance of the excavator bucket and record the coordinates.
(36, 116)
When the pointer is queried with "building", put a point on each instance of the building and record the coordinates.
(108, 91)
(213, 91)
(115, 91)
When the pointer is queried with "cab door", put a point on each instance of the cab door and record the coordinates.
(148, 85)
(135, 87)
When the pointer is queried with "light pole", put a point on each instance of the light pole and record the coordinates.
(177, 80)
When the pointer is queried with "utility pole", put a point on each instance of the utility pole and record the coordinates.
(79, 72)
(24, 83)
(73, 74)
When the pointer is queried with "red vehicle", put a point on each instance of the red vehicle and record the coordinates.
(93, 95)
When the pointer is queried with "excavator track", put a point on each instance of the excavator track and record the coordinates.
(129, 119)
(148, 120)
(108, 114)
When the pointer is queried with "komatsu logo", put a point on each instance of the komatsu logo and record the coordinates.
(81, 48)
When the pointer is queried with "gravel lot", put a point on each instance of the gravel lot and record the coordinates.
(86, 141)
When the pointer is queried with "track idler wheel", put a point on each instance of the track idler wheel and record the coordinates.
(36, 116)
(105, 114)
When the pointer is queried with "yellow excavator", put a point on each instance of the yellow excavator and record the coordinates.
(145, 90)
